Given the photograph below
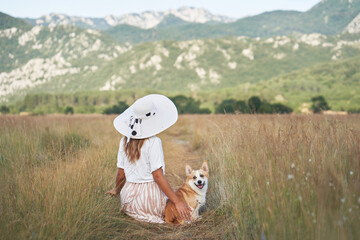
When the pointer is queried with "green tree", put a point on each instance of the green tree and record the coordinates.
(265, 108)
(69, 110)
(280, 108)
(241, 107)
(319, 104)
(232, 106)
(188, 105)
(116, 109)
(226, 106)
(4, 109)
(254, 104)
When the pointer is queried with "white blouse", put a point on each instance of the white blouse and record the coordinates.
(151, 159)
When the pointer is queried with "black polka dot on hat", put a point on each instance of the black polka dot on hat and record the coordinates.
(134, 133)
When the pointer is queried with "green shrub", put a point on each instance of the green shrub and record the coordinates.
(254, 104)
(69, 110)
(116, 109)
(319, 104)
(280, 108)
(354, 110)
(186, 105)
(265, 108)
(4, 109)
(226, 106)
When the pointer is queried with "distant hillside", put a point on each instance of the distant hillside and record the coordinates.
(31, 58)
(328, 17)
(7, 21)
(171, 21)
(354, 25)
(144, 20)
(68, 59)
(331, 16)
(214, 64)
(338, 82)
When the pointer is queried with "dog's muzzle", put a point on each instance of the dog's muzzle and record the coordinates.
(200, 184)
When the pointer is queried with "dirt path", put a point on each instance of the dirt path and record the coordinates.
(178, 152)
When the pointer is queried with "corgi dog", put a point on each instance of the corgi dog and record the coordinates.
(192, 193)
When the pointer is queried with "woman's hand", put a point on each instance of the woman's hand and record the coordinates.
(113, 192)
(184, 210)
(120, 181)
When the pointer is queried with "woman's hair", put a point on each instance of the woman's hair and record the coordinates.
(133, 148)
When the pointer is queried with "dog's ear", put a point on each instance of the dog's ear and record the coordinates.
(188, 170)
(205, 167)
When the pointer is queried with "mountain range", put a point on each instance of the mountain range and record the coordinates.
(207, 59)
(145, 20)
(328, 17)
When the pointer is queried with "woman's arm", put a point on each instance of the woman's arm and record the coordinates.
(183, 209)
(120, 181)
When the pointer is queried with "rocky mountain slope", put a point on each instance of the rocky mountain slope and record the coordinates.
(354, 25)
(68, 59)
(329, 17)
(145, 20)
(64, 59)
(39, 55)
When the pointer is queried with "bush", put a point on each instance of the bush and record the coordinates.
(188, 105)
(265, 108)
(280, 108)
(226, 106)
(254, 105)
(116, 109)
(242, 107)
(232, 106)
(353, 111)
(319, 104)
(69, 110)
(4, 109)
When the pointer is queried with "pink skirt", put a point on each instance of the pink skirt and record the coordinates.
(143, 201)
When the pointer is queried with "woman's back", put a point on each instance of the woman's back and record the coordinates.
(151, 159)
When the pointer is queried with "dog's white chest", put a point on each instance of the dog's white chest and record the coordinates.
(200, 200)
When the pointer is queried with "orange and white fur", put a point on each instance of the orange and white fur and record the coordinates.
(192, 193)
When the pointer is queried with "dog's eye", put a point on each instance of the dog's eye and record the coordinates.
(201, 175)
(194, 177)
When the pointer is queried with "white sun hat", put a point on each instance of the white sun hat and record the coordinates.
(147, 117)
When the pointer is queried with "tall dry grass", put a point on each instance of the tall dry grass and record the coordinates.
(284, 177)
(54, 172)
(52, 176)
(272, 177)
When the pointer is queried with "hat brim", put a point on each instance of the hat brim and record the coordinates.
(166, 115)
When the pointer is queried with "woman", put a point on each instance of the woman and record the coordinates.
(140, 179)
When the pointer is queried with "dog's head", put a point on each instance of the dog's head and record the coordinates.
(198, 179)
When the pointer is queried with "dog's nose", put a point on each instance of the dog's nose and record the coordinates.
(199, 182)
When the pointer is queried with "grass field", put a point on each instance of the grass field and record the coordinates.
(271, 177)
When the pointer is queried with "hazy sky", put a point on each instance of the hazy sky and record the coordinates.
(101, 8)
